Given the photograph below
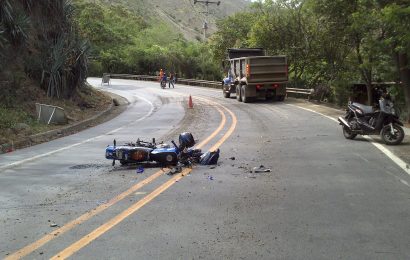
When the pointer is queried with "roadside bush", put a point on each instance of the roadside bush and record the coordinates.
(10, 117)
(341, 92)
(396, 92)
(95, 68)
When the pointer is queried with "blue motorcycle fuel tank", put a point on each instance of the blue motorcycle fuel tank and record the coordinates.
(164, 155)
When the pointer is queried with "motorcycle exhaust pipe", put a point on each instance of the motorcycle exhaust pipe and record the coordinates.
(342, 121)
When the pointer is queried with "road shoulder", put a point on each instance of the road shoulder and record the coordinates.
(103, 114)
(401, 151)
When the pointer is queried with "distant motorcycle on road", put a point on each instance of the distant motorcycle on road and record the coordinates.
(365, 120)
(163, 84)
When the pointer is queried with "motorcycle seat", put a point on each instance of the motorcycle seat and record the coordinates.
(366, 109)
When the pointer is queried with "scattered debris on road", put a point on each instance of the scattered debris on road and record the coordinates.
(261, 168)
(174, 170)
(140, 169)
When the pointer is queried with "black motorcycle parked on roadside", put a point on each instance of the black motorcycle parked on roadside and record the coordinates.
(365, 120)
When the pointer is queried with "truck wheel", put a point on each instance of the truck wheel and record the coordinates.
(227, 94)
(238, 93)
(245, 99)
(280, 98)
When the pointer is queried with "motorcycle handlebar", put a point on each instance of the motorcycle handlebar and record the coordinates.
(176, 146)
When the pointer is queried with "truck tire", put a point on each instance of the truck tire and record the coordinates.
(245, 99)
(238, 93)
(280, 98)
(227, 94)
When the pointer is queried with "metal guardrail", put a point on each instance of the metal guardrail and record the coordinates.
(302, 91)
(204, 83)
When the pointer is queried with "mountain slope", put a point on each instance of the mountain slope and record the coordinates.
(186, 17)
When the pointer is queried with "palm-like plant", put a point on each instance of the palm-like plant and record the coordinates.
(14, 22)
(53, 69)
(65, 68)
(55, 54)
(6, 12)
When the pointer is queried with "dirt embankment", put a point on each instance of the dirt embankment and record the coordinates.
(19, 127)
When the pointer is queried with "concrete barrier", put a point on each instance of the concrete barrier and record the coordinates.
(48, 114)
(105, 79)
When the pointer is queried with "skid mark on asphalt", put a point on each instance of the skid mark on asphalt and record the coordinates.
(399, 162)
(84, 241)
(58, 232)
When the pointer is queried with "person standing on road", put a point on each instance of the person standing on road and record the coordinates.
(171, 80)
(161, 74)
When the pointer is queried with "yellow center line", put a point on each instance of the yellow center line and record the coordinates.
(84, 241)
(221, 125)
(119, 218)
(230, 131)
(86, 216)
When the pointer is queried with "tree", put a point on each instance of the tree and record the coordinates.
(396, 17)
(232, 32)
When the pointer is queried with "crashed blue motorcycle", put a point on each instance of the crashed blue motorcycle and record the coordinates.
(163, 154)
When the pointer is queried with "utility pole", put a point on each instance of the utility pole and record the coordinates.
(206, 3)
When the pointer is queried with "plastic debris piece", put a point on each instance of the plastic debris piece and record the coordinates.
(174, 170)
(260, 169)
(140, 169)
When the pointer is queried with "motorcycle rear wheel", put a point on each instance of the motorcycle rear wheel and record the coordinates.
(347, 133)
(390, 139)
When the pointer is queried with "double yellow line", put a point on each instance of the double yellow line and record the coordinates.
(117, 219)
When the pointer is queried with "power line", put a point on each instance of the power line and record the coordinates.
(206, 3)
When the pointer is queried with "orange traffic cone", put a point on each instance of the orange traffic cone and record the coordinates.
(190, 105)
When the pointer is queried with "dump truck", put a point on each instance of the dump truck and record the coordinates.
(251, 75)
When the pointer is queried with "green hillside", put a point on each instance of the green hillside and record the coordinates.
(127, 38)
(183, 16)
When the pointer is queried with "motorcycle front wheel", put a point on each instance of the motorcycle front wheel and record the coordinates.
(390, 138)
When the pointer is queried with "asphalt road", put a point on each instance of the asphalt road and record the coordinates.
(325, 197)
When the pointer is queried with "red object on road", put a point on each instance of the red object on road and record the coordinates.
(190, 104)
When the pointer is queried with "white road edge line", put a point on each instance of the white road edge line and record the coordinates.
(10, 165)
(399, 162)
